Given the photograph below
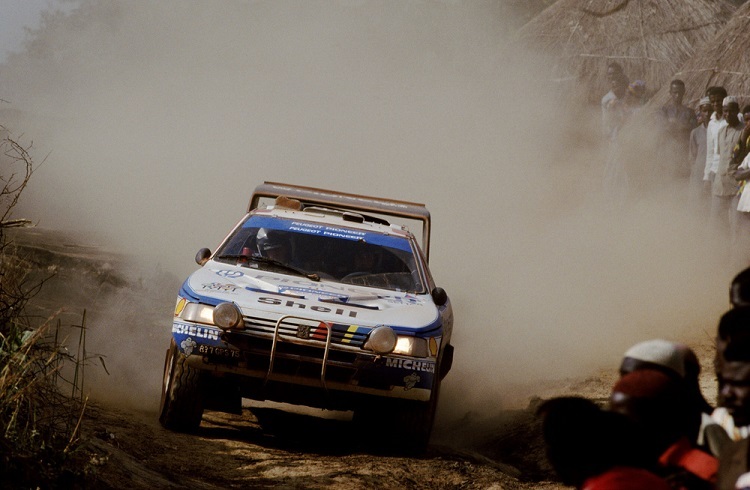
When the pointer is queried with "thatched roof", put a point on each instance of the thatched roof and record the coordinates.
(651, 39)
(723, 61)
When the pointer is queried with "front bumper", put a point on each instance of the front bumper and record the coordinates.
(298, 360)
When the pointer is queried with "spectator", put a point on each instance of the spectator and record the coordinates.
(735, 391)
(677, 123)
(716, 121)
(741, 202)
(739, 289)
(666, 423)
(593, 449)
(734, 328)
(674, 359)
(745, 140)
(724, 186)
(614, 73)
(615, 108)
(616, 181)
(697, 149)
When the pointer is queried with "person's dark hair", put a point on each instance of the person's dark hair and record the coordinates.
(734, 323)
(583, 440)
(720, 91)
(739, 289)
(737, 349)
(678, 82)
(746, 109)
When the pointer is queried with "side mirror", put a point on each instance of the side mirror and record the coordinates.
(202, 256)
(439, 296)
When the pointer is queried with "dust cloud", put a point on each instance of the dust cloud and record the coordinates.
(160, 118)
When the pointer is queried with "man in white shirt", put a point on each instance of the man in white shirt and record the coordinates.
(716, 97)
(725, 186)
(697, 152)
(715, 124)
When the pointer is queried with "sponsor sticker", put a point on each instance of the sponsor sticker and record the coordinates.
(228, 274)
(411, 381)
(411, 364)
(220, 287)
(187, 346)
(349, 335)
(299, 305)
(196, 331)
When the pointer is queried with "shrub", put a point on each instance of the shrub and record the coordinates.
(39, 417)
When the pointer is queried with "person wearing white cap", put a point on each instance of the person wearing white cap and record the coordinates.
(724, 187)
(697, 151)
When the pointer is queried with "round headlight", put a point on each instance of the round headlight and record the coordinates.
(227, 315)
(382, 340)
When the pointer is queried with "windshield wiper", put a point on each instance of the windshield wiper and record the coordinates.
(265, 260)
(353, 301)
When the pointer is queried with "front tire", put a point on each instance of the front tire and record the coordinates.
(182, 396)
(401, 424)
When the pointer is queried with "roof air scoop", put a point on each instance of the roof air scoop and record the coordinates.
(353, 217)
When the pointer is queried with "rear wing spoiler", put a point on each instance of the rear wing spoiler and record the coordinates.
(387, 208)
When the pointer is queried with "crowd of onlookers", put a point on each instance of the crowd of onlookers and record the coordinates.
(705, 145)
(657, 431)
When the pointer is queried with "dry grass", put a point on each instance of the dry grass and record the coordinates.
(650, 39)
(721, 62)
(41, 382)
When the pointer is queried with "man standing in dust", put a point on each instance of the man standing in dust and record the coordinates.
(697, 153)
(724, 186)
(612, 100)
(678, 121)
(715, 123)
(615, 114)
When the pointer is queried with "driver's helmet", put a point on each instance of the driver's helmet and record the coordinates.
(270, 240)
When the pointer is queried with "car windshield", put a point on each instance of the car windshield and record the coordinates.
(345, 255)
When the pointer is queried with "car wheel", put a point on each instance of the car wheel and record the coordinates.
(414, 422)
(399, 425)
(181, 393)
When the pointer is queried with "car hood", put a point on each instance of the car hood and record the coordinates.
(256, 290)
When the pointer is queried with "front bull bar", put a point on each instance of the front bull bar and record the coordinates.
(277, 336)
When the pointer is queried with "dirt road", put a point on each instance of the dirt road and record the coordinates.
(263, 447)
(286, 451)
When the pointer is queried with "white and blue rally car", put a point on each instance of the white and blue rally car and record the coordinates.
(315, 298)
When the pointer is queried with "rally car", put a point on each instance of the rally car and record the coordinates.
(316, 298)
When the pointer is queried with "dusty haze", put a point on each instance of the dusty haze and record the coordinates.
(160, 117)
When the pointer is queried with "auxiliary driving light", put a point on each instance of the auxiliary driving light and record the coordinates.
(227, 316)
(382, 340)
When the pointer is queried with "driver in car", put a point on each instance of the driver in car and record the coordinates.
(275, 248)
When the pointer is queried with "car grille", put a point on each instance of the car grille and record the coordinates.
(301, 348)
(308, 331)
